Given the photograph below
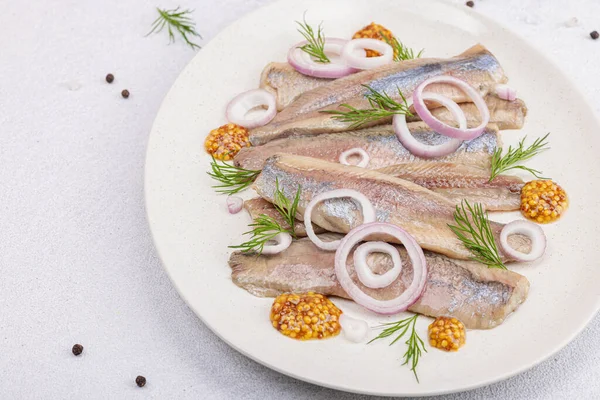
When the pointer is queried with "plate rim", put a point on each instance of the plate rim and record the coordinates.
(483, 18)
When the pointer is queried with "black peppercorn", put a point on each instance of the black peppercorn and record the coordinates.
(125, 93)
(77, 349)
(110, 78)
(140, 381)
(595, 35)
(470, 4)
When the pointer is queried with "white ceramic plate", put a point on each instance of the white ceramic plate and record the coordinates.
(192, 228)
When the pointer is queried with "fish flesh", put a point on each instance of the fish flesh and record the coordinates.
(258, 206)
(478, 296)
(287, 84)
(458, 181)
(421, 212)
(380, 142)
(476, 66)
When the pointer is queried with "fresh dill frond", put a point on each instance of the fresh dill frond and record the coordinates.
(415, 345)
(382, 105)
(176, 21)
(517, 155)
(265, 228)
(401, 52)
(233, 179)
(474, 231)
(316, 44)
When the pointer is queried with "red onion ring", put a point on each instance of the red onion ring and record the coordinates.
(365, 275)
(234, 204)
(303, 62)
(415, 253)
(529, 229)
(364, 62)
(439, 126)
(242, 103)
(367, 209)
(283, 241)
(505, 92)
(421, 149)
(364, 157)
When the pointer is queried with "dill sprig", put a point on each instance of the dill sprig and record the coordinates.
(265, 228)
(316, 44)
(382, 105)
(233, 179)
(473, 229)
(519, 154)
(176, 20)
(415, 344)
(401, 52)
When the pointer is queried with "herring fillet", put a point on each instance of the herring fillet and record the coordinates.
(380, 142)
(257, 206)
(458, 181)
(287, 84)
(421, 212)
(478, 296)
(477, 66)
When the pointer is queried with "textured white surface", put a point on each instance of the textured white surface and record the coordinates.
(77, 264)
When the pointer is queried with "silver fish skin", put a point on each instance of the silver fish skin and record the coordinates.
(458, 181)
(478, 296)
(380, 142)
(421, 212)
(287, 84)
(476, 66)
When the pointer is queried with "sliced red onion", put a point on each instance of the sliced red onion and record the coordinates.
(368, 212)
(364, 157)
(355, 330)
(415, 253)
(243, 103)
(421, 149)
(306, 65)
(529, 229)
(362, 61)
(365, 275)
(234, 204)
(505, 92)
(439, 126)
(282, 240)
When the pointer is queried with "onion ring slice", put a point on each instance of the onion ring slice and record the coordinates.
(283, 241)
(244, 102)
(364, 157)
(421, 149)
(529, 229)
(365, 275)
(439, 126)
(303, 62)
(362, 61)
(367, 209)
(415, 253)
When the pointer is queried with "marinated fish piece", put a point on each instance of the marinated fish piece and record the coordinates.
(380, 142)
(458, 181)
(287, 84)
(480, 297)
(476, 66)
(258, 206)
(421, 212)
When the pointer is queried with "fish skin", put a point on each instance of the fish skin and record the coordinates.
(421, 212)
(257, 206)
(458, 181)
(287, 84)
(380, 142)
(478, 296)
(477, 66)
